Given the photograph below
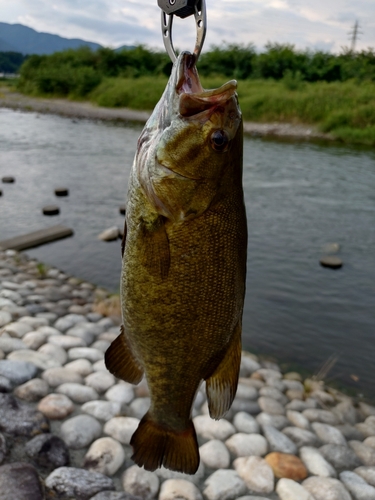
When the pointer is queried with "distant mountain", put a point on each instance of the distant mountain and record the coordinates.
(6, 47)
(125, 47)
(20, 38)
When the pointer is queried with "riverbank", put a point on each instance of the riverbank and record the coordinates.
(66, 423)
(86, 110)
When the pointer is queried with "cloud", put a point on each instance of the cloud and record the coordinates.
(305, 23)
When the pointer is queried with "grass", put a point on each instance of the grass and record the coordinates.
(345, 110)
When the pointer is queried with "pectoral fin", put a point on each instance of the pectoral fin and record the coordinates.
(156, 253)
(221, 386)
(121, 362)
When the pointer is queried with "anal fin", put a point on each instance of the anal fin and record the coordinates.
(155, 445)
(221, 386)
(121, 362)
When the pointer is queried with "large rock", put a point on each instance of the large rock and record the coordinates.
(75, 483)
(20, 419)
(20, 481)
(17, 372)
(48, 451)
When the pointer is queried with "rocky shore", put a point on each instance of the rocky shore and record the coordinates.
(75, 109)
(66, 422)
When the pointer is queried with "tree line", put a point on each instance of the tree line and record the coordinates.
(78, 72)
(10, 62)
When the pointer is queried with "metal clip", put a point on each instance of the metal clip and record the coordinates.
(200, 24)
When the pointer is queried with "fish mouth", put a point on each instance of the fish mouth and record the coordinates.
(193, 99)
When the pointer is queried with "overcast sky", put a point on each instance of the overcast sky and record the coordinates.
(314, 24)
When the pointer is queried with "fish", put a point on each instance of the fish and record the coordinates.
(184, 265)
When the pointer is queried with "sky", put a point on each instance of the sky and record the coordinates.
(313, 24)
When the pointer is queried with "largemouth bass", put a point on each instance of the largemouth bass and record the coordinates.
(184, 265)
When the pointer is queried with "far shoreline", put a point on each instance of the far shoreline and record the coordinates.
(85, 110)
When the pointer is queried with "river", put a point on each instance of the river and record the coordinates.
(300, 196)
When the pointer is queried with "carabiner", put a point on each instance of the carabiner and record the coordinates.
(200, 25)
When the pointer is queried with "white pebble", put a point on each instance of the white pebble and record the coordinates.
(78, 393)
(256, 473)
(55, 352)
(105, 455)
(123, 393)
(215, 455)
(213, 429)
(102, 410)
(287, 489)
(224, 485)
(244, 422)
(315, 463)
(179, 489)
(100, 381)
(121, 428)
(140, 482)
(81, 366)
(243, 445)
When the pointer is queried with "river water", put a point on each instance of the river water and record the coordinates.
(299, 196)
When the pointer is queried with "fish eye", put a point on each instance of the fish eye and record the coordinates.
(219, 140)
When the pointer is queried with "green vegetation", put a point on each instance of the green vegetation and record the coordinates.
(10, 62)
(334, 92)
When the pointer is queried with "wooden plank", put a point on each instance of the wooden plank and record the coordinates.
(36, 238)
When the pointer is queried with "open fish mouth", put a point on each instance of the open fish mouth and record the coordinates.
(193, 98)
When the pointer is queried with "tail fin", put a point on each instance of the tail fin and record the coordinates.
(155, 445)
